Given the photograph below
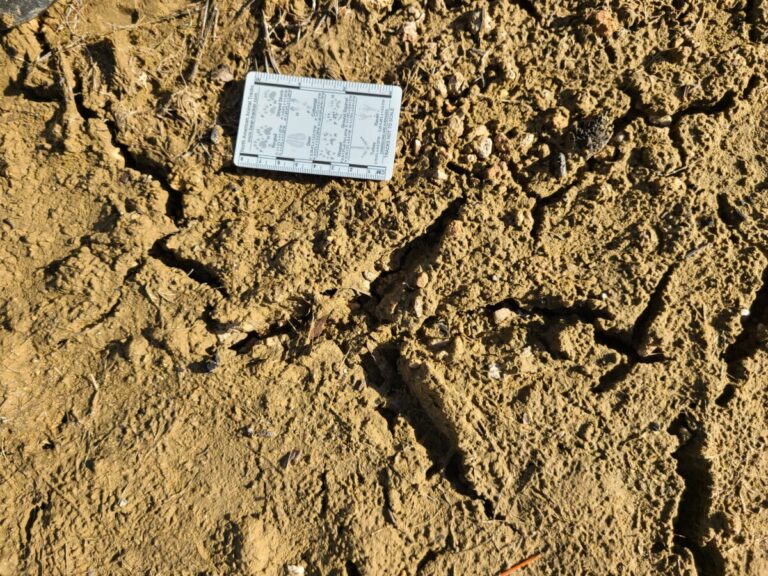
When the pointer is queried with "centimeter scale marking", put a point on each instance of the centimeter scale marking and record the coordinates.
(314, 126)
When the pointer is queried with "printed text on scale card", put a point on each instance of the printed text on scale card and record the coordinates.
(313, 126)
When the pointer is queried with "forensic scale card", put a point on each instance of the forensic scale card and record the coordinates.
(313, 126)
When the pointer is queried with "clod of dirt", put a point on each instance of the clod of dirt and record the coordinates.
(593, 133)
(410, 33)
(603, 22)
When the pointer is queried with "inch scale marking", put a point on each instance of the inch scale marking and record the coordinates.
(314, 126)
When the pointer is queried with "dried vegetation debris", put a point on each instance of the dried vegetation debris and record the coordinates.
(532, 339)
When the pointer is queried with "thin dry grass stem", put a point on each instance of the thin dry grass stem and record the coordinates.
(267, 32)
(519, 565)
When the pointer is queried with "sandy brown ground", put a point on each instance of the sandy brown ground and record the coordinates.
(547, 334)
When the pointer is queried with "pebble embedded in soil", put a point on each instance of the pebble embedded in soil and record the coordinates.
(294, 570)
(452, 131)
(410, 33)
(483, 147)
(222, 74)
(526, 142)
(217, 133)
(494, 371)
(418, 306)
(438, 175)
(558, 165)
(501, 315)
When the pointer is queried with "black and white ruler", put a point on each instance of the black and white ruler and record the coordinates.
(313, 126)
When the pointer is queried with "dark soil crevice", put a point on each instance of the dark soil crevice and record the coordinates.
(383, 374)
(692, 523)
(174, 206)
(753, 336)
(529, 8)
(195, 270)
(652, 308)
(587, 315)
(140, 163)
(725, 103)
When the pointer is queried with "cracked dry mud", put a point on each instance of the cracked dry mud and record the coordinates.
(557, 347)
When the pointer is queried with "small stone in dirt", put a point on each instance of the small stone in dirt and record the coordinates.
(441, 88)
(660, 119)
(416, 146)
(418, 306)
(217, 132)
(503, 145)
(526, 142)
(654, 427)
(222, 74)
(558, 165)
(560, 118)
(593, 133)
(122, 503)
(501, 315)
(422, 280)
(294, 570)
(493, 172)
(745, 312)
(478, 22)
(454, 84)
(452, 131)
(289, 458)
(603, 22)
(483, 147)
(438, 175)
(410, 33)
(248, 431)
(494, 371)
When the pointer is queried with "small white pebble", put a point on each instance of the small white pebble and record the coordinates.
(495, 277)
(604, 296)
(745, 313)
(483, 147)
(501, 315)
(418, 306)
(438, 175)
(122, 502)
(494, 371)
(295, 570)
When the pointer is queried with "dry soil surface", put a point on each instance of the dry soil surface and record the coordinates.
(546, 334)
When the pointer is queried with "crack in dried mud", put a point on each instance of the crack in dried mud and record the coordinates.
(692, 522)
(195, 270)
(753, 336)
